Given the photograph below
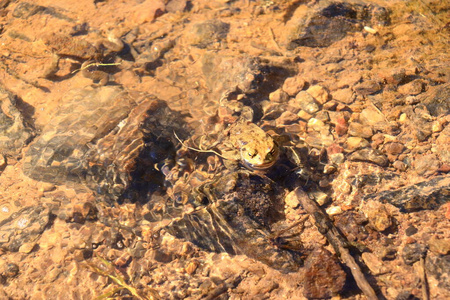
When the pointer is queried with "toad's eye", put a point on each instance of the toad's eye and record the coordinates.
(251, 154)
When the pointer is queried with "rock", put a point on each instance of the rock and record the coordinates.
(413, 252)
(318, 125)
(412, 88)
(367, 88)
(354, 143)
(146, 11)
(346, 96)
(411, 230)
(15, 133)
(428, 194)
(394, 148)
(351, 225)
(436, 99)
(426, 165)
(359, 130)
(319, 93)
(373, 117)
(323, 276)
(287, 118)
(443, 145)
(341, 126)
(3, 162)
(377, 214)
(397, 76)
(291, 200)
(399, 165)
(370, 155)
(293, 85)
(326, 23)
(438, 266)
(207, 33)
(279, 96)
(176, 5)
(375, 265)
(319, 139)
(306, 102)
(96, 137)
(23, 227)
(439, 246)
(227, 74)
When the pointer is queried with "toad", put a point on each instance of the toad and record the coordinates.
(250, 145)
(242, 142)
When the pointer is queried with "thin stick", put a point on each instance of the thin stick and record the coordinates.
(339, 243)
(195, 149)
(94, 64)
(425, 293)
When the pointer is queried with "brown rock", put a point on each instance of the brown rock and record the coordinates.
(394, 148)
(279, 96)
(399, 165)
(412, 88)
(346, 96)
(357, 129)
(377, 214)
(370, 155)
(426, 165)
(293, 85)
(323, 277)
(439, 246)
(375, 265)
(341, 126)
(306, 102)
(354, 143)
(368, 88)
(287, 118)
(319, 93)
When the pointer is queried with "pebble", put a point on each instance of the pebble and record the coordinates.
(341, 126)
(399, 165)
(355, 142)
(412, 253)
(319, 93)
(279, 96)
(304, 115)
(334, 210)
(377, 214)
(317, 125)
(206, 33)
(414, 87)
(372, 116)
(367, 88)
(291, 200)
(287, 118)
(323, 275)
(411, 230)
(370, 155)
(2, 161)
(426, 165)
(346, 96)
(397, 76)
(337, 158)
(394, 148)
(357, 129)
(439, 246)
(293, 85)
(375, 265)
(306, 102)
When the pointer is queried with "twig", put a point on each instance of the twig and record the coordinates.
(425, 292)
(195, 149)
(339, 243)
(94, 64)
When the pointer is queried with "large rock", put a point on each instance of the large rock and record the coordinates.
(107, 139)
(15, 133)
(329, 21)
